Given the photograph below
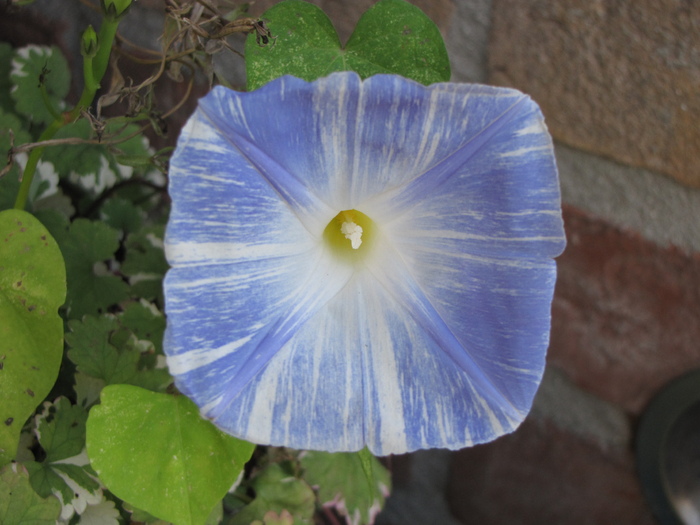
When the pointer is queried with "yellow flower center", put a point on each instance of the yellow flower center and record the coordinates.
(349, 234)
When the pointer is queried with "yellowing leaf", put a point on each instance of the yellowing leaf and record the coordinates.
(32, 287)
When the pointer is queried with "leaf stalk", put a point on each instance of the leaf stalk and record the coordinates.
(94, 68)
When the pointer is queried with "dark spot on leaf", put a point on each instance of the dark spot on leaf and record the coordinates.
(9, 421)
(74, 424)
(18, 284)
(30, 392)
(43, 237)
(2, 365)
(31, 307)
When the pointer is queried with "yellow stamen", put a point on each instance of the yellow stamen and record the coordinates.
(349, 234)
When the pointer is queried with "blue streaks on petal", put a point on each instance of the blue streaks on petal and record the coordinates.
(439, 341)
(245, 271)
(364, 371)
(288, 184)
(299, 126)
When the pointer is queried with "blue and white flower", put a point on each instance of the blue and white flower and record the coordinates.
(362, 263)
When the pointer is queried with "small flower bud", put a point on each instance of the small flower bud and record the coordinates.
(115, 9)
(88, 43)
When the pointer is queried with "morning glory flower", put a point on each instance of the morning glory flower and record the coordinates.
(362, 263)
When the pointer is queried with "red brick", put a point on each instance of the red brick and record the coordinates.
(618, 78)
(625, 312)
(543, 475)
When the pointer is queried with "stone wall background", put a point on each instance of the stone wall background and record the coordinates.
(619, 84)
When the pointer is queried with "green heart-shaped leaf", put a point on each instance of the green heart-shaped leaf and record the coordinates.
(32, 287)
(393, 36)
(157, 453)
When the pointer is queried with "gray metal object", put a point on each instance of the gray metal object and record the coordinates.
(668, 452)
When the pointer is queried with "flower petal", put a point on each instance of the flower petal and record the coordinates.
(439, 339)
(487, 321)
(347, 141)
(380, 367)
(245, 272)
(494, 193)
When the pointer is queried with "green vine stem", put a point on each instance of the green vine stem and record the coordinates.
(32, 161)
(96, 51)
(108, 31)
